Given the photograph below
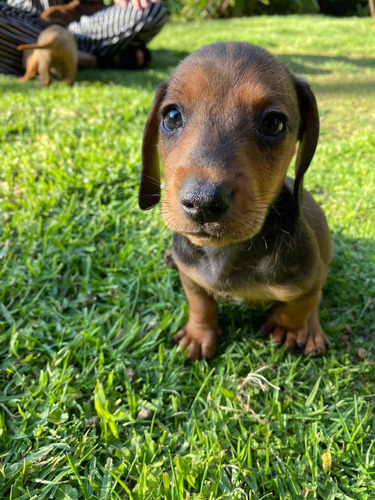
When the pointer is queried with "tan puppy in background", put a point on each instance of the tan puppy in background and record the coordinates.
(62, 14)
(56, 50)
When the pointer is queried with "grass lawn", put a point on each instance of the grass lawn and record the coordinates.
(95, 403)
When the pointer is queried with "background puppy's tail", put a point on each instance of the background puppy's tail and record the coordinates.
(30, 46)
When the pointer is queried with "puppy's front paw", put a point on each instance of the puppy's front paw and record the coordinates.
(200, 342)
(317, 342)
(311, 340)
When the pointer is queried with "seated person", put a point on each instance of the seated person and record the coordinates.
(112, 37)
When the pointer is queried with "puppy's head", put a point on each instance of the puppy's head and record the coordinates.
(227, 123)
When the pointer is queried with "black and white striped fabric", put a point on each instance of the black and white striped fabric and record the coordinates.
(107, 32)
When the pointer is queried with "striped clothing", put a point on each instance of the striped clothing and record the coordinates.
(105, 33)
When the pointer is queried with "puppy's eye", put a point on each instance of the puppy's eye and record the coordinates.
(172, 120)
(273, 124)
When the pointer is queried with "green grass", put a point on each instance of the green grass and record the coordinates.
(88, 307)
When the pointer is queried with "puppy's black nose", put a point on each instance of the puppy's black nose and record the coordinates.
(204, 201)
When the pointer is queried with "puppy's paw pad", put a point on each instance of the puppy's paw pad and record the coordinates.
(310, 342)
(282, 336)
(200, 343)
(317, 344)
(287, 338)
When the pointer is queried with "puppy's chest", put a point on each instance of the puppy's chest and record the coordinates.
(240, 273)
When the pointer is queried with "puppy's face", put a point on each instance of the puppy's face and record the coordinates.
(229, 121)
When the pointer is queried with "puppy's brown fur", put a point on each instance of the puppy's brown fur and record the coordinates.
(265, 240)
(56, 50)
(71, 12)
(62, 14)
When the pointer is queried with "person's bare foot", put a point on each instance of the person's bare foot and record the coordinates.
(140, 58)
(138, 55)
(86, 60)
(130, 58)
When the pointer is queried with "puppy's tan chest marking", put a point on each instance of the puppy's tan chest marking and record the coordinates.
(251, 292)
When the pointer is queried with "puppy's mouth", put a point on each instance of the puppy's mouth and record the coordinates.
(219, 236)
(201, 234)
(202, 238)
(208, 230)
(219, 233)
(214, 222)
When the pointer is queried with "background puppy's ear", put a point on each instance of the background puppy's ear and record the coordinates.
(149, 189)
(308, 134)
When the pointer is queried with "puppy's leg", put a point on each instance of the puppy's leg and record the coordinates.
(317, 341)
(44, 72)
(70, 72)
(297, 323)
(201, 331)
(31, 67)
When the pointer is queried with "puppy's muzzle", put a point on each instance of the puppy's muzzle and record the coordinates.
(204, 201)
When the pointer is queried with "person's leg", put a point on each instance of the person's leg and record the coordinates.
(30, 7)
(113, 30)
(16, 27)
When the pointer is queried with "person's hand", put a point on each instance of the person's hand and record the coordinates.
(137, 4)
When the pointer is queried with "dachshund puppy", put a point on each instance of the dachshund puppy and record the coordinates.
(227, 124)
(71, 12)
(62, 14)
(56, 51)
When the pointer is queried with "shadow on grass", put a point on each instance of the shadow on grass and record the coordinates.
(163, 62)
(308, 64)
(348, 306)
(9, 83)
(362, 88)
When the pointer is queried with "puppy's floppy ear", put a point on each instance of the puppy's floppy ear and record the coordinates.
(149, 189)
(308, 134)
